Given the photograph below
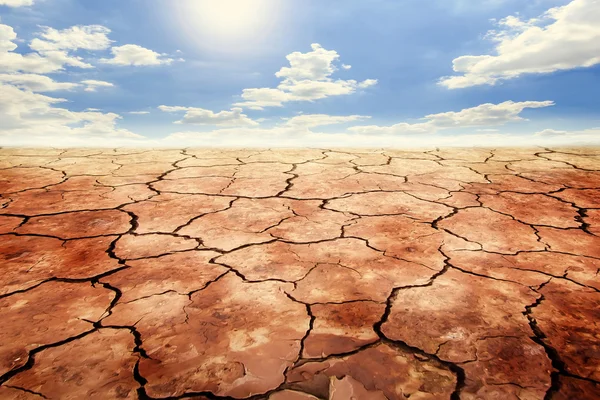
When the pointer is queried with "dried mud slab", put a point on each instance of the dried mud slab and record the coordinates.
(379, 369)
(401, 237)
(587, 162)
(321, 181)
(245, 222)
(533, 209)
(362, 273)
(26, 261)
(291, 395)
(12, 393)
(572, 388)
(310, 223)
(471, 315)
(78, 224)
(131, 247)
(9, 224)
(56, 201)
(585, 198)
(167, 212)
(592, 219)
(493, 231)
(180, 272)
(565, 178)
(349, 388)
(520, 184)
(342, 328)
(19, 179)
(386, 203)
(97, 366)
(232, 338)
(529, 269)
(50, 313)
(507, 367)
(573, 241)
(569, 317)
(460, 316)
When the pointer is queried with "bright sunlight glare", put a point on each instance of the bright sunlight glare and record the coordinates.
(227, 26)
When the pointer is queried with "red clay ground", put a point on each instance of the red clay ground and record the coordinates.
(300, 274)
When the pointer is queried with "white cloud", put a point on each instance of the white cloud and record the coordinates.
(480, 116)
(132, 54)
(14, 62)
(287, 137)
(552, 132)
(93, 85)
(201, 116)
(299, 131)
(485, 114)
(292, 131)
(138, 112)
(314, 65)
(562, 38)
(314, 120)
(27, 114)
(36, 83)
(89, 37)
(53, 50)
(344, 66)
(488, 130)
(308, 78)
(367, 83)
(51, 55)
(55, 45)
(16, 3)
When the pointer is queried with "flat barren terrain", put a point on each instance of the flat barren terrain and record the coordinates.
(300, 274)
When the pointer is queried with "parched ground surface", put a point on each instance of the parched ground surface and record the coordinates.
(300, 274)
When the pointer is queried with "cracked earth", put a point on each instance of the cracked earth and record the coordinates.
(300, 274)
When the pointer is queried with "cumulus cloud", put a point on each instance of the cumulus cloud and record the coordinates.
(92, 85)
(200, 116)
(89, 37)
(562, 38)
(308, 78)
(480, 116)
(24, 113)
(55, 45)
(139, 112)
(53, 51)
(36, 83)
(16, 3)
(553, 132)
(132, 54)
(11, 61)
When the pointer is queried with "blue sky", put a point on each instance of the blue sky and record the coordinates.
(201, 71)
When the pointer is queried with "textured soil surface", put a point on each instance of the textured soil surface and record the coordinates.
(300, 274)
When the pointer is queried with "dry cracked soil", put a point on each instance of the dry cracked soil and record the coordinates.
(300, 274)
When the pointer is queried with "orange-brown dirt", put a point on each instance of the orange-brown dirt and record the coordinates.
(300, 274)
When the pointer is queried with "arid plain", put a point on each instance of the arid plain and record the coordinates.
(288, 274)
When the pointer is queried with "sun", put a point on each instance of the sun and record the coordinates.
(227, 25)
